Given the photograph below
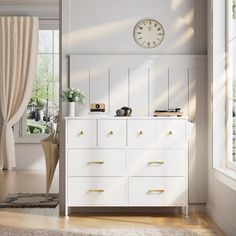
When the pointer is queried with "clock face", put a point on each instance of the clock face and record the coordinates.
(148, 33)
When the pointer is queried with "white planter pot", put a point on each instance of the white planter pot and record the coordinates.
(71, 109)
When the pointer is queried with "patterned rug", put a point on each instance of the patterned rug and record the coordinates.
(30, 200)
(111, 232)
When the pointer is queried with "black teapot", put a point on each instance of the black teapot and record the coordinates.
(124, 111)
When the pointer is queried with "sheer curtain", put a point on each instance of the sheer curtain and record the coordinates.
(18, 60)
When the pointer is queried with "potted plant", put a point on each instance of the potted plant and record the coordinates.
(73, 96)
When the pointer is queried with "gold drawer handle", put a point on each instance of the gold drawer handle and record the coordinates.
(96, 162)
(81, 132)
(96, 190)
(170, 133)
(155, 162)
(140, 132)
(156, 191)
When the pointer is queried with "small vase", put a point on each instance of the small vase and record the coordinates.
(71, 109)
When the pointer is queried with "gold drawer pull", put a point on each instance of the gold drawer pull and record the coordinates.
(156, 191)
(81, 132)
(170, 133)
(96, 190)
(156, 162)
(140, 132)
(96, 162)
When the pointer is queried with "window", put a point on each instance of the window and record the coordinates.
(43, 108)
(231, 84)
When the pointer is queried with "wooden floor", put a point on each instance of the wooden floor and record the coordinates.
(26, 181)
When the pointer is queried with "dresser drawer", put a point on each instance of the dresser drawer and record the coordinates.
(82, 133)
(157, 191)
(141, 133)
(153, 162)
(112, 133)
(97, 191)
(171, 133)
(96, 162)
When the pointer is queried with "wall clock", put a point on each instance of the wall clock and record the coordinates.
(148, 33)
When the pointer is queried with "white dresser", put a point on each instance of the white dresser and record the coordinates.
(134, 161)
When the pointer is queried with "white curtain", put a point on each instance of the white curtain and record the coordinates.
(18, 60)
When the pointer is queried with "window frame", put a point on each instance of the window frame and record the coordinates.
(229, 94)
(21, 125)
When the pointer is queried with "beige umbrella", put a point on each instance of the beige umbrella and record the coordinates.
(51, 151)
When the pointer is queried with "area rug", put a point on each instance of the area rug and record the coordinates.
(111, 232)
(30, 200)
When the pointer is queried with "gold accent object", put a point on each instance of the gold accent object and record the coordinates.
(156, 191)
(111, 132)
(155, 162)
(81, 132)
(96, 190)
(96, 162)
(170, 133)
(141, 132)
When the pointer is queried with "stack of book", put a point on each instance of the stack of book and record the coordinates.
(169, 112)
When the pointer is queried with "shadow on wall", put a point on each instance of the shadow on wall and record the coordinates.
(112, 31)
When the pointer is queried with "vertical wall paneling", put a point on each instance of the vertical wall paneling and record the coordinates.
(197, 140)
(138, 91)
(99, 86)
(193, 168)
(201, 137)
(119, 89)
(80, 79)
(158, 88)
(178, 97)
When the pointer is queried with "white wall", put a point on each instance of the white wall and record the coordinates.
(106, 26)
(221, 198)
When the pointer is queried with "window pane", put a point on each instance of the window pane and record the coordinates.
(234, 141)
(56, 41)
(56, 67)
(43, 107)
(234, 9)
(56, 95)
(40, 110)
(44, 70)
(45, 41)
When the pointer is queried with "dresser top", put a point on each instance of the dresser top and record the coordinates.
(104, 117)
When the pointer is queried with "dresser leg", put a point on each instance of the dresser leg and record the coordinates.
(66, 211)
(185, 211)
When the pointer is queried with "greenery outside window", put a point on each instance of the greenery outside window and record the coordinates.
(41, 114)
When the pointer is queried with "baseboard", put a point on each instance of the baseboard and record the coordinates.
(199, 208)
(224, 226)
